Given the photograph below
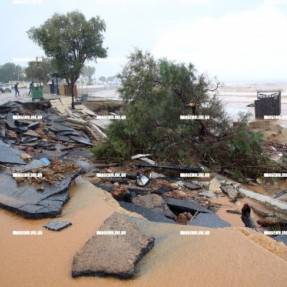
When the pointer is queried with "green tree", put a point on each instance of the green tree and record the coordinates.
(111, 79)
(89, 71)
(11, 72)
(69, 40)
(39, 70)
(156, 93)
(102, 79)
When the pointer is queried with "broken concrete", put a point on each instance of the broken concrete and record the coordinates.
(57, 225)
(113, 255)
(214, 186)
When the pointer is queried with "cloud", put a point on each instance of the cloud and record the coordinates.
(250, 44)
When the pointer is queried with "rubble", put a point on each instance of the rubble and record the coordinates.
(113, 255)
(230, 190)
(57, 225)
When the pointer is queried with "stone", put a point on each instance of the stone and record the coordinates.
(57, 225)
(113, 255)
(214, 186)
(210, 220)
(155, 203)
(145, 212)
(230, 190)
(192, 186)
(121, 193)
(185, 205)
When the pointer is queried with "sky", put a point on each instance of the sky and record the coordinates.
(234, 41)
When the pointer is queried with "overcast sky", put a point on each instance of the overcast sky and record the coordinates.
(231, 39)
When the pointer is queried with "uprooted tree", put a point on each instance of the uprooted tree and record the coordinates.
(69, 40)
(156, 93)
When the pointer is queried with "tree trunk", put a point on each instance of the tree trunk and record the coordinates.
(72, 93)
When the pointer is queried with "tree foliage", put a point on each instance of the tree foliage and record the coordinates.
(69, 40)
(39, 70)
(11, 72)
(156, 93)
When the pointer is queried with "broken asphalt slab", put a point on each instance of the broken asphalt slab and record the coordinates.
(281, 238)
(185, 205)
(145, 212)
(57, 225)
(113, 255)
(210, 220)
(25, 200)
(10, 155)
(155, 203)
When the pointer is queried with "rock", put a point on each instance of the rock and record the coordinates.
(145, 212)
(32, 133)
(185, 205)
(113, 255)
(214, 186)
(192, 186)
(121, 193)
(230, 190)
(210, 220)
(155, 203)
(183, 218)
(62, 139)
(57, 225)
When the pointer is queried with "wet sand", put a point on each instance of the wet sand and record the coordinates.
(226, 257)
